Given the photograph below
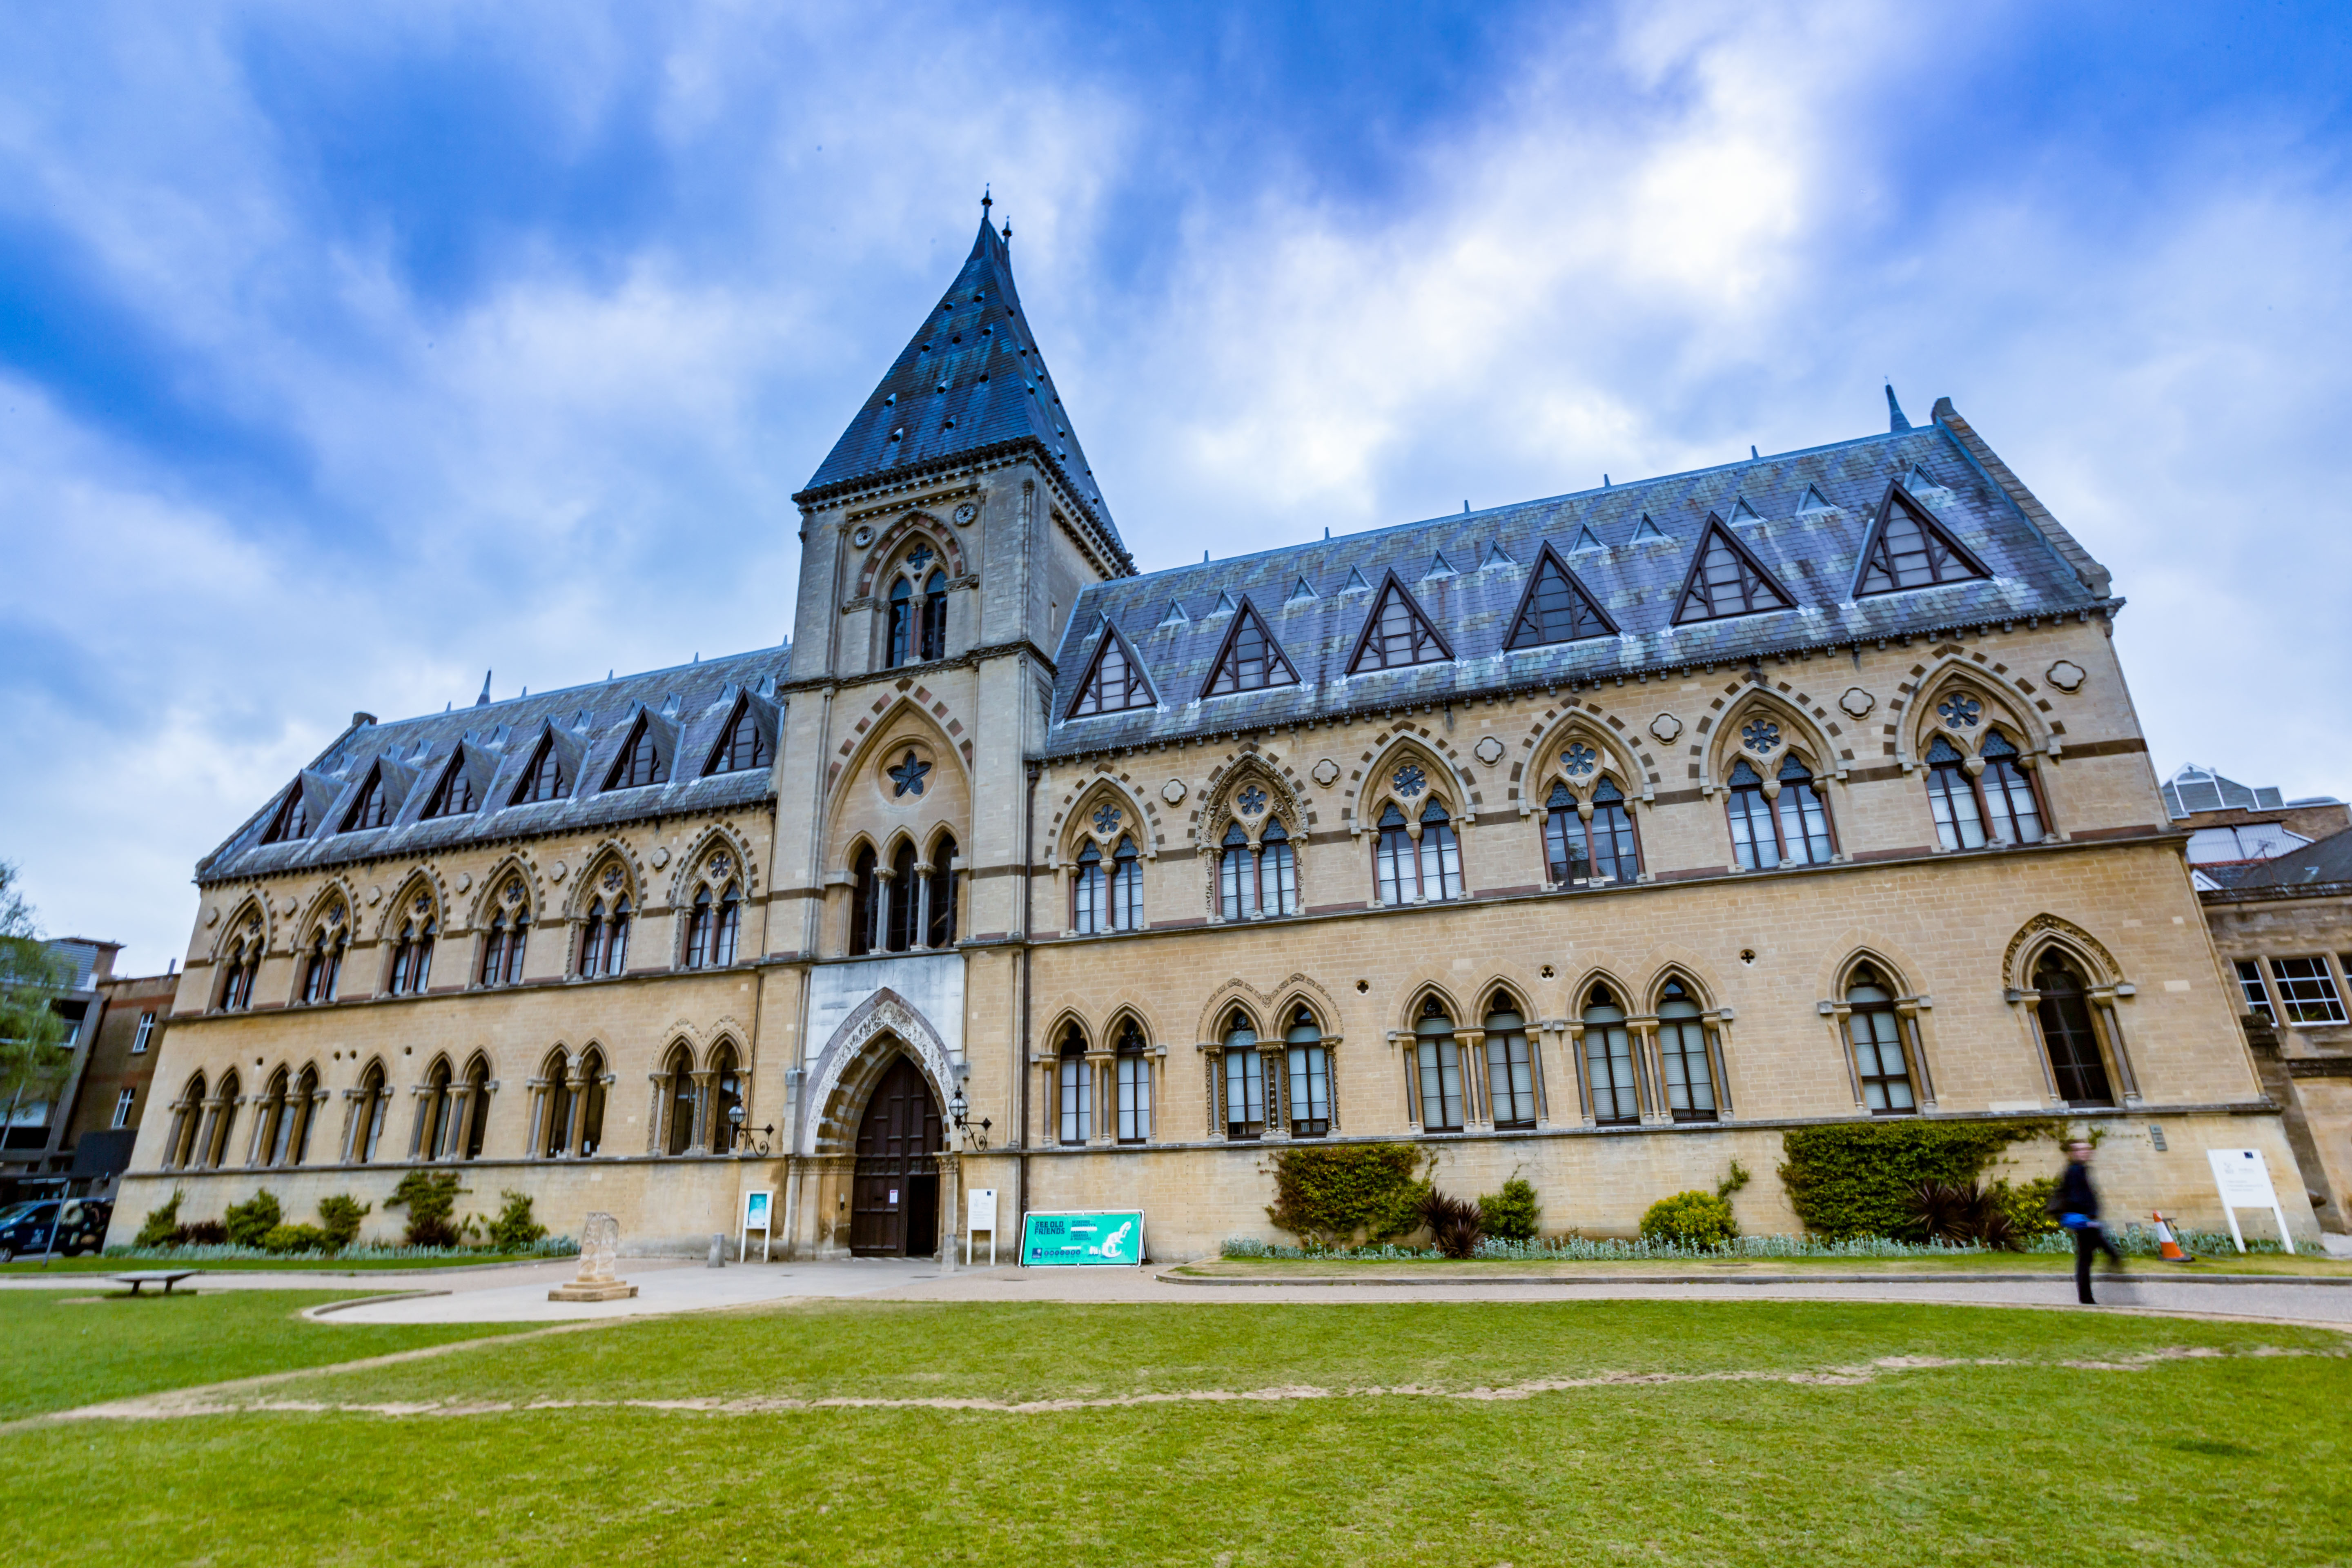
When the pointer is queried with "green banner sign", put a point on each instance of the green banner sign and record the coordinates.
(1082, 1239)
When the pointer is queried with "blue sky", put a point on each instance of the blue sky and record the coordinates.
(346, 351)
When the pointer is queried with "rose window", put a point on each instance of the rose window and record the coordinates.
(1253, 800)
(1580, 759)
(1411, 781)
(1960, 712)
(1760, 736)
(1107, 819)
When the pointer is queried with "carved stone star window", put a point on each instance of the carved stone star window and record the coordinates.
(1960, 712)
(1107, 819)
(907, 777)
(1760, 735)
(919, 558)
(1411, 781)
(1253, 800)
(1580, 759)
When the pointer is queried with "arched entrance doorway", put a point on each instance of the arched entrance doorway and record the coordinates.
(893, 1206)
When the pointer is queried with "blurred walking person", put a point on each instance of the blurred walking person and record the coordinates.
(2077, 1206)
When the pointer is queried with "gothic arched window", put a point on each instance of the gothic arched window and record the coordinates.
(1089, 893)
(2064, 1012)
(190, 1126)
(1510, 1066)
(301, 1109)
(906, 892)
(1681, 1051)
(1603, 850)
(726, 1099)
(1804, 817)
(225, 1126)
(412, 957)
(728, 930)
(1236, 875)
(478, 1107)
(698, 930)
(592, 1102)
(1134, 1073)
(1609, 1060)
(1310, 1075)
(1952, 798)
(1126, 886)
(432, 1129)
(1277, 870)
(1753, 843)
(939, 914)
(933, 636)
(902, 622)
(1792, 831)
(322, 970)
(1073, 1093)
(555, 1110)
(1877, 1038)
(277, 1127)
(367, 1125)
(502, 950)
(678, 1090)
(2011, 805)
(243, 963)
(1438, 1056)
(864, 893)
(1244, 1079)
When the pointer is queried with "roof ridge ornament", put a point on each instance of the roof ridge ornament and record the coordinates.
(1896, 422)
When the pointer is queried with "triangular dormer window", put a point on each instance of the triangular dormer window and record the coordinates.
(1355, 583)
(1586, 540)
(1114, 683)
(1742, 512)
(1301, 591)
(370, 809)
(544, 778)
(1726, 579)
(1250, 661)
(292, 819)
(1919, 478)
(1556, 607)
(1907, 548)
(1175, 615)
(1224, 607)
(640, 762)
(1396, 634)
(1439, 566)
(454, 795)
(742, 745)
(1811, 503)
(1647, 532)
(1497, 556)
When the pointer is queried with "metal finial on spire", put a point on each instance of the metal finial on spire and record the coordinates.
(986, 201)
(484, 700)
(1008, 231)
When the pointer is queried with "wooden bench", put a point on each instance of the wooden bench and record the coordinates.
(167, 1278)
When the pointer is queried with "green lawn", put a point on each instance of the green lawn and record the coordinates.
(292, 1263)
(66, 1349)
(1793, 1448)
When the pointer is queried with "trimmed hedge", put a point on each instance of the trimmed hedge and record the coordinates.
(1332, 1195)
(1693, 1219)
(1858, 1179)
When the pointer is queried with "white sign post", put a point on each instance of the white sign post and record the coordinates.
(2244, 1181)
(759, 1213)
(979, 1211)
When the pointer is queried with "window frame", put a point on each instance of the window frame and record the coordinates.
(2316, 991)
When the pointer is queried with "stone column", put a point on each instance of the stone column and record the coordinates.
(702, 1140)
(1478, 1109)
(1717, 1027)
(1574, 1028)
(1907, 1012)
(2103, 1007)
(1649, 1072)
(1102, 1069)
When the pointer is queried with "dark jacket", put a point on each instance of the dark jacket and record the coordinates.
(2076, 1195)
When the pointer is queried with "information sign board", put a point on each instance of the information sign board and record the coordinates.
(2243, 1179)
(759, 1213)
(1082, 1238)
(979, 1213)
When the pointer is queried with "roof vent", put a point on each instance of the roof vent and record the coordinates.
(360, 719)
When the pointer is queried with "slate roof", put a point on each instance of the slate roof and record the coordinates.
(2195, 789)
(969, 383)
(1468, 573)
(687, 707)
(2319, 864)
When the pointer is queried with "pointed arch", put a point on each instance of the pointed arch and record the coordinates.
(1686, 974)
(1609, 976)
(1998, 703)
(1066, 1023)
(249, 919)
(1116, 678)
(1134, 819)
(1789, 731)
(1548, 758)
(2046, 930)
(892, 544)
(1419, 995)
(606, 855)
(336, 894)
(1255, 1005)
(1249, 658)
(1384, 780)
(1556, 607)
(1222, 792)
(1726, 578)
(1125, 1013)
(1396, 632)
(1907, 547)
(424, 882)
(516, 866)
(697, 867)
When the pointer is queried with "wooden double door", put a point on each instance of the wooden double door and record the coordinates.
(894, 1204)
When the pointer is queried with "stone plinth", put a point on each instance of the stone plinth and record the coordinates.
(600, 1246)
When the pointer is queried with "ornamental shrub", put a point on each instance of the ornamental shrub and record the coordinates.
(339, 1219)
(1336, 1195)
(429, 1197)
(1691, 1219)
(512, 1229)
(250, 1221)
(163, 1222)
(1454, 1224)
(1861, 1178)
(1513, 1214)
(2028, 1207)
(202, 1233)
(294, 1238)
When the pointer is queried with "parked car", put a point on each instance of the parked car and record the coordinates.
(25, 1229)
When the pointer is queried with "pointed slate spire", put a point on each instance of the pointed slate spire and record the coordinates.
(969, 381)
(1896, 422)
(484, 700)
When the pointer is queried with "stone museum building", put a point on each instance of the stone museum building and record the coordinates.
(1600, 839)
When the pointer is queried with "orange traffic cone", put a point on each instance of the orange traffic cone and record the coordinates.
(2171, 1248)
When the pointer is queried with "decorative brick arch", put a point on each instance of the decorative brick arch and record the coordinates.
(1236, 993)
(250, 907)
(724, 835)
(425, 878)
(883, 1026)
(2046, 930)
(1549, 732)
(892, 540)
(1207, 821)
(585, 889)
(515, 863)
(1073, 817)
(1804, 725)
(1376, 768)
(1926, 691)
(907, 697)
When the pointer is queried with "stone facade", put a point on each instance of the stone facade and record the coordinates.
(947, 858)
